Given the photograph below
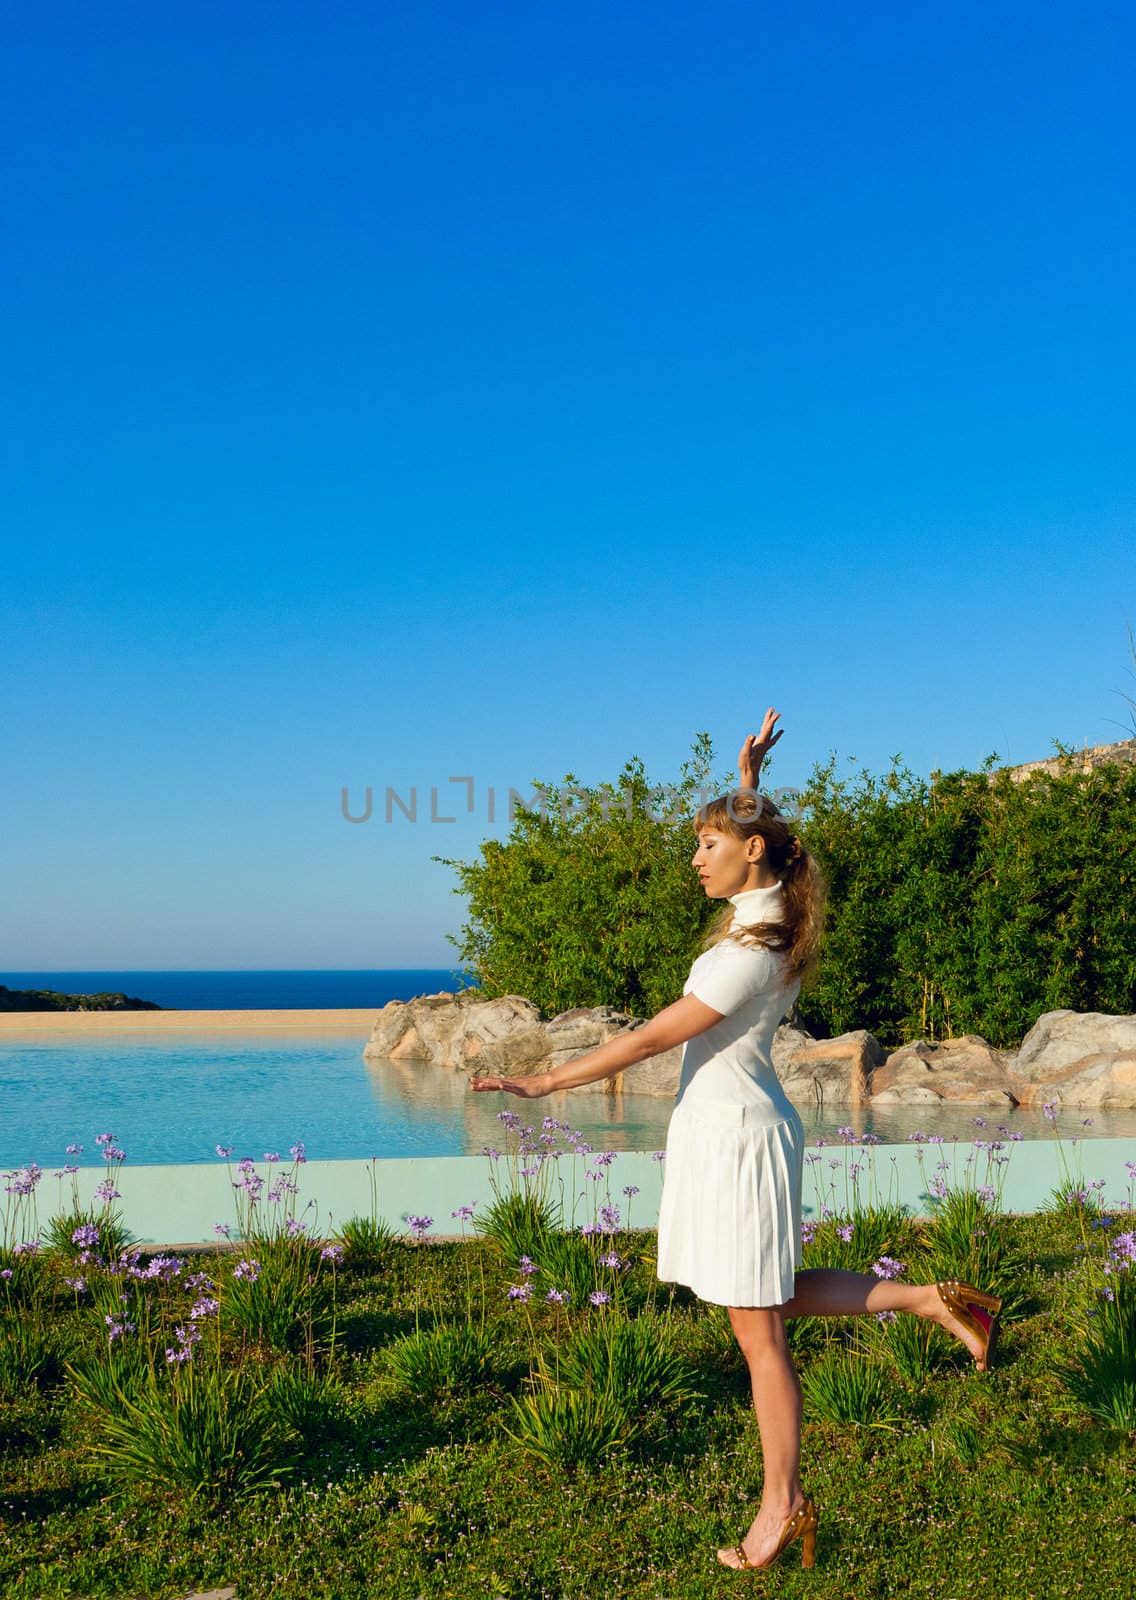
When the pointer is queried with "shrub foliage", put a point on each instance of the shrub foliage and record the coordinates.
(966, 903)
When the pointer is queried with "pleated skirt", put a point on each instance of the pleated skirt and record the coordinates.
(730, 1217)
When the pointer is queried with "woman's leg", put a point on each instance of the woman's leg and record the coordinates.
(760, 1331)
(830, 1292)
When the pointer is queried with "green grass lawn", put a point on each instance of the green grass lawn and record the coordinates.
(404, 1471)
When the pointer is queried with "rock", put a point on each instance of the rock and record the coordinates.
(572, 1033)
(1078, 1058)
(828, 1071)
(966, 1071)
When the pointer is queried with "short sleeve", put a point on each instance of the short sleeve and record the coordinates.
(735, 974)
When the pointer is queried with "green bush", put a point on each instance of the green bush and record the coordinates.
(1102, 1374)
(601, 862)
(844, 1387)
(442, 1359)
(205, 1433)
(287, 1299)
(636, 1361)
(519, 1223)
(972, 903)
(30, 1353)
(114, 1237)
(367, 1243)
(964, 903)
(567, 1427)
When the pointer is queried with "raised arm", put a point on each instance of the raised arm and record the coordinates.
(756, 747)
(674, 1025)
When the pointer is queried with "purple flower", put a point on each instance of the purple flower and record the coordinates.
(272, 1155)
(887, 1267)
(26, 1247)
(294, 1227)
(87, 1235)
(887, 1316)
(298, 1152)
(332, 1253)
(247, 1268)
(74, 1149)
(610, 1219)
(487, 1150)
(659, 1155)
(106, 1192)
(115, 1155)
(525, 1267)
(5, 1273)
(224, 1151)
(520, 1293)
(24, 1181)
(199, 1280)
(118, 1327)
(78, 1284)
(207, 1306)
(846, 1232)
(464, 1212)
(420, 1226)
(104, 1138)
(600, 1297)
(221, 1229)
(558, 1297)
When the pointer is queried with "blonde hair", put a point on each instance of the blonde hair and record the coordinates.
(745, 814)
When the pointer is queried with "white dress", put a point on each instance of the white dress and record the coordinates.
(730, 1217)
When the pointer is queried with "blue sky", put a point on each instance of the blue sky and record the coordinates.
(397, 392)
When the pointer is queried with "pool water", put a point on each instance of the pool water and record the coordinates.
(174, 1098)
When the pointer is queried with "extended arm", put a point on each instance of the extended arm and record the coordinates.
(672, 1026)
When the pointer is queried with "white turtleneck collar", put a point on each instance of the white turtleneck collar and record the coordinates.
(758, 905)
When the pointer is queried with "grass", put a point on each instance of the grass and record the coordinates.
(999, 1483)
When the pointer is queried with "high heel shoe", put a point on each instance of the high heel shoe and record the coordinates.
(801, 1525)
(977, 1311)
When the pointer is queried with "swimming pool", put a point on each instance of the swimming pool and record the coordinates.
(172, 1098)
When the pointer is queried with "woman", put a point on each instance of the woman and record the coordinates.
(730, 1217)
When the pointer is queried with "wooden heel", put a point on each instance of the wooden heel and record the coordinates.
(808, 1549)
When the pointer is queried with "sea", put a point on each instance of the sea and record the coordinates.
(269, 990)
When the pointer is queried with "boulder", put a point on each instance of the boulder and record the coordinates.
(464, 1032)
(965, 1071)
(826, 1071)
(421, 1029)
(1078, 1058)
(572, 1033)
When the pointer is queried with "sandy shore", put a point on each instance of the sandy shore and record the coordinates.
(354, 1021)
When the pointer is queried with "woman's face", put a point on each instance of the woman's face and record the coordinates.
(725, 865)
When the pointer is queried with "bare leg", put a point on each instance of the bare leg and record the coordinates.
(830, 1292)
(760, 1331)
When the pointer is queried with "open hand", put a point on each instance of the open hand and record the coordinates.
(528, 1088)
(756, 747)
